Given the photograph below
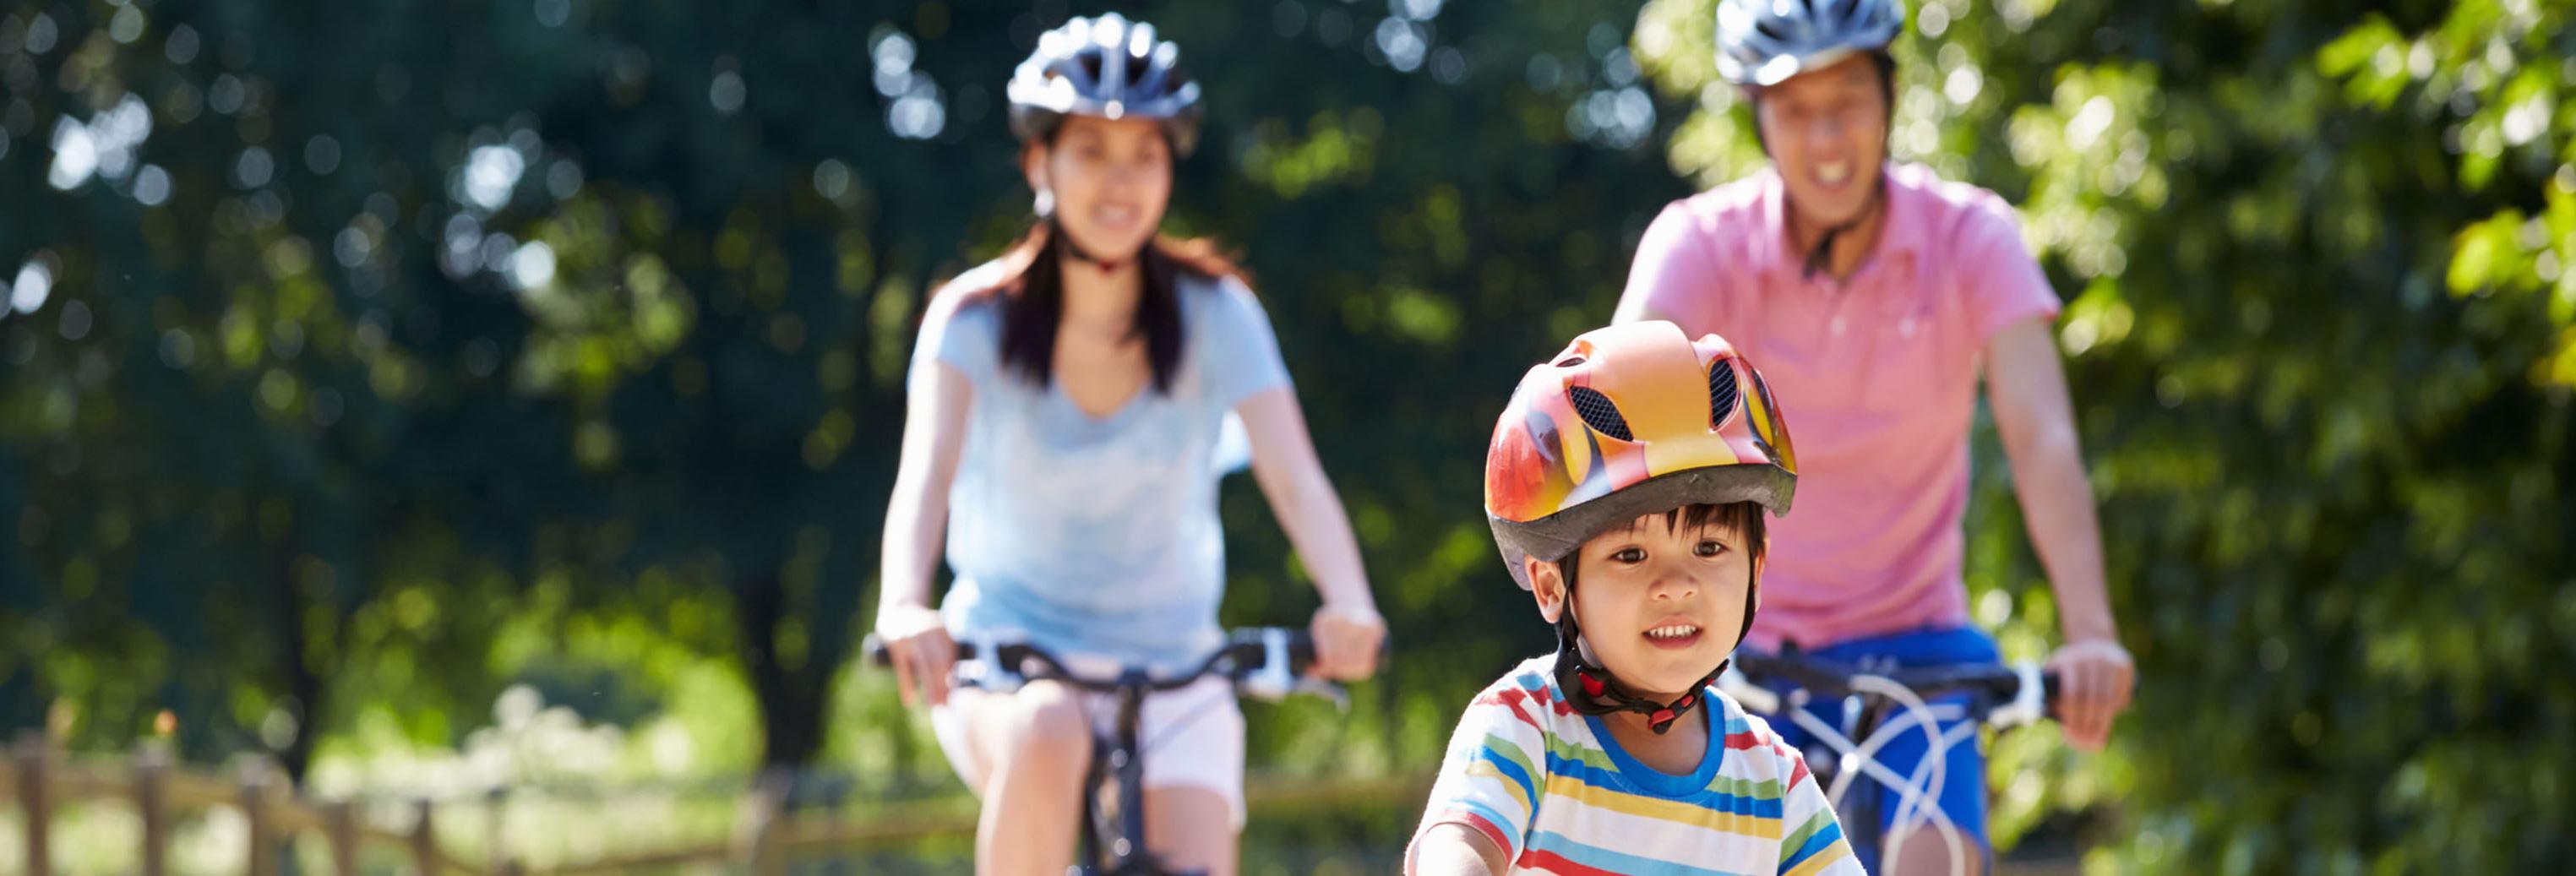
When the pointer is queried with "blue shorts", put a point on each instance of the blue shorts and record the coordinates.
(1963, 786)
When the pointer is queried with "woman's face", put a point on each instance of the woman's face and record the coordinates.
(1111, 179)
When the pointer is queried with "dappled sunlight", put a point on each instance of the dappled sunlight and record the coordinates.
(507, 396)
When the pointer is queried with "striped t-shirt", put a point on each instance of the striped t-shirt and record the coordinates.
(1557, 794)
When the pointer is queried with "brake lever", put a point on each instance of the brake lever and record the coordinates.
(1754, 697)
(1328, 690)
(2029, 704)
(1272, 682)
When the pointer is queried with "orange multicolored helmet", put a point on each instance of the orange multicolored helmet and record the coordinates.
(1631, 420)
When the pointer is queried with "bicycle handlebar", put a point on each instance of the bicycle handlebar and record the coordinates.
(1828, 678)
(1245, 659)
(2002, 692)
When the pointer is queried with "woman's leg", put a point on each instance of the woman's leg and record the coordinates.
(1028, 751)
(1191, 829)
(1193, 740)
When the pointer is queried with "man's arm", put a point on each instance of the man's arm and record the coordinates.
(2027, 385)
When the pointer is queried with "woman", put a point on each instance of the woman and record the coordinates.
(1064, 408)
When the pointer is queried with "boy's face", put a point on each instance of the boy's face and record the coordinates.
(1660, 602)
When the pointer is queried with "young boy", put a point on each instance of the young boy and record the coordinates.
(1625, 485)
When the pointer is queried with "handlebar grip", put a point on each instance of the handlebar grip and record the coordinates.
(1300, 646)
(1301, 652)
(873, 650)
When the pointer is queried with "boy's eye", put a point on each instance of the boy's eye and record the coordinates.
(1709, 548)
(1630, 555)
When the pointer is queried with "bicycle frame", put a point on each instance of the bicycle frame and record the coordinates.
(1122, 754)
(1263, 663)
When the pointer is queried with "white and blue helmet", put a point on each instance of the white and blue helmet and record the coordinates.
(1764, 42)
(1107, 67)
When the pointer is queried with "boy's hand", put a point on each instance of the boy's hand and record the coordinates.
(1346, 641)
(2093, 679)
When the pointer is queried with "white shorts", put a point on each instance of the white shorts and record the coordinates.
(1191, 738)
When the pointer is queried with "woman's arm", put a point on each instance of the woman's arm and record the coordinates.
(1348, 629)
(934, 433)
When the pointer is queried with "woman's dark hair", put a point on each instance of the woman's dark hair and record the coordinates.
(1032, 300)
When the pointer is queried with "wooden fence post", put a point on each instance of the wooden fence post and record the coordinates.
(32, 802)
(152, 801)
(341, 821)
(768, 804)
(424, 842)
(254, 805)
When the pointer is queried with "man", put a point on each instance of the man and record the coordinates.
(1873, 293)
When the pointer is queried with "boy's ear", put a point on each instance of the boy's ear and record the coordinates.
(1757, 582)
(1547, 585)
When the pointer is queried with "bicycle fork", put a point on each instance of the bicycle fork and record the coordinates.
(1123, 758)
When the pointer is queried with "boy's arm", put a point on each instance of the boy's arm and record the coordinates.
(1811, 839)
(1481, 809)
(1452, 849)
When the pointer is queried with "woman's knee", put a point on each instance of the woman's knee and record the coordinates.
(1046, 729)
(1191, 828)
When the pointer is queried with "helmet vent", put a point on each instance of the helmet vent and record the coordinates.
(1723, 395)
(1599, 413)
(1569, 361)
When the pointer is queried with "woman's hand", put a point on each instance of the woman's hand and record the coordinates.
(921, 649)
(1347, 638)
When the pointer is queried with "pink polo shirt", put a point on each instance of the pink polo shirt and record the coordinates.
(1877, 380)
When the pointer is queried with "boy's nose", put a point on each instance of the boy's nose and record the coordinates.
(1676, 584)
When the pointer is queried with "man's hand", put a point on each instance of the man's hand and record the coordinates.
(2093, 681)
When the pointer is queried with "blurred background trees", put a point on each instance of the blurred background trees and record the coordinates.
(360, 363)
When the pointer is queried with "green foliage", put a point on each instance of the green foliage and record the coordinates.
(532, 342)
(377, 359)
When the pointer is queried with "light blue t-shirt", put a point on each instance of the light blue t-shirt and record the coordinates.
(1097, 536)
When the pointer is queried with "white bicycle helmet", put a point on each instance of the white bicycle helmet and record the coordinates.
(1764, 42)
(1107, 67)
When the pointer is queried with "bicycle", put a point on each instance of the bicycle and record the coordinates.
(1266, 663)
(2001, 696)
